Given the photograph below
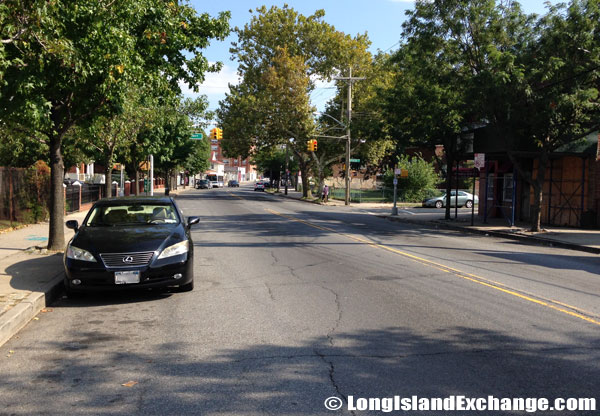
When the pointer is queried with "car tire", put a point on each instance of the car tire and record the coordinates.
(469, 204)
(71, 294)
(439, 204)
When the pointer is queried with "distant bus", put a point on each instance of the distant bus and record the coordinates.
(216, 181)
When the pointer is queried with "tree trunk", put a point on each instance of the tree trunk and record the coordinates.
(303, 165)
(306, 192)
(137, 182)
(108, 180)
(538, 184)
(56, 237)
(320, 173)
(167, 182)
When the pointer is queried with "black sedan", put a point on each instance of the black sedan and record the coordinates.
(127, 243)
(233, 184)
(202, 184)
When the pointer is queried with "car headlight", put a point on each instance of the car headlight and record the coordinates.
(175, 250)
(79, 254)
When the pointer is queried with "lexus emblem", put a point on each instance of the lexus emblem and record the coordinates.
(128, 259)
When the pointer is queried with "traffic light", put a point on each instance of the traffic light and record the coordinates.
(219, 133)
(309, 145)
(314, 146)
(213, 134)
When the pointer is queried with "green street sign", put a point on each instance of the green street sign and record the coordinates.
(197, 136)
(354, 160)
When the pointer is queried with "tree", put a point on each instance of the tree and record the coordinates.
(533, 81)
(281, 54)
(171, 143)
(422, 179)
(198, 159)
(270, 161)
(426, 104)
(107, 136)
(373, 141)
(551, 99)
(197, 113)
(18, 150)
(78, 62)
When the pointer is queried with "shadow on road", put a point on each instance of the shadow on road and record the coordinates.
(86, 373)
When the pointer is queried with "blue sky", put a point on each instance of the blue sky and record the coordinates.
(380, 19)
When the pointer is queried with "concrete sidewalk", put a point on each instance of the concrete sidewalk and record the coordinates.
(30, 276)
(563, 237)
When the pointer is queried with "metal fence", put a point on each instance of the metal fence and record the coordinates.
(72, 198)
(90, 193)
(12, 183)
(382, 194)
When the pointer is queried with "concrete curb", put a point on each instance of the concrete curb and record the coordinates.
(16, 318)
(523, 239)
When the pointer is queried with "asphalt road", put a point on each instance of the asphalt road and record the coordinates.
(296, 302)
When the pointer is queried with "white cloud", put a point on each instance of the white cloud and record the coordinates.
(322, 93)
(215, 84)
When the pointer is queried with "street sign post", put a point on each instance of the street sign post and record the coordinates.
(197, 136)
(479, 159)
(397, 172)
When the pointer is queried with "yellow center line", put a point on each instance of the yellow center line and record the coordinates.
(235, 196)
(548, 303)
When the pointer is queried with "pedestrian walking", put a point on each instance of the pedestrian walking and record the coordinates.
(325, 196)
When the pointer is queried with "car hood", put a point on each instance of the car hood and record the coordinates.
(127, 239)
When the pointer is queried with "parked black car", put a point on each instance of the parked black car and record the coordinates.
(202, 184)
(133, 242)
(233, 184)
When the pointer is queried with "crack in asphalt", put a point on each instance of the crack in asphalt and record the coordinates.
(338, 307)
(275, 259)
(332, 377)
(270, 292)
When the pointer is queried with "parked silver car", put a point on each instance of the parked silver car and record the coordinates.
(464, 199)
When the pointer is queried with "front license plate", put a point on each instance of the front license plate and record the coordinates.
(123, 278)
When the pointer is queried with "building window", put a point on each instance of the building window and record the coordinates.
(490, 187)
(507, 187)
(214, 147)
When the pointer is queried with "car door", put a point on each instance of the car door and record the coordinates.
(453, 198)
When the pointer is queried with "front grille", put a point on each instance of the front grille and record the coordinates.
(122, 259)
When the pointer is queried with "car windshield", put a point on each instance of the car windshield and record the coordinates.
(132, 214)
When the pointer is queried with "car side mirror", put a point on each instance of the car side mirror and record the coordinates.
(73, 225)
(192, 221)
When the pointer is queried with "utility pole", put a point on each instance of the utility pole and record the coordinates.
(350, 80)
(287, 165)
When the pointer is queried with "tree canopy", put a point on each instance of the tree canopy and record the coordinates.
(66, 63)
